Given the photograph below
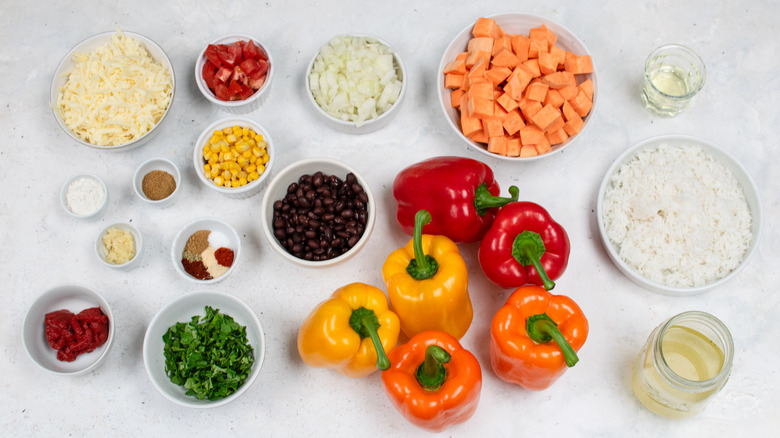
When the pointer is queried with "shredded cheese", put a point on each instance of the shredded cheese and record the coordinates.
(115, 94)
(678, 216)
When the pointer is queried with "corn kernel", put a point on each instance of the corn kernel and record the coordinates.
(242, 181)
(227, 130)
(207, 168)
(252, 176)
(218, 181)
(256, 151)
(251, 168)
(266, 158)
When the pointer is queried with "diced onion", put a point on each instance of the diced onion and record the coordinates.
(355, 79)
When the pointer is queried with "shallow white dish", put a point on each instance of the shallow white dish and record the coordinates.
(730, 162)
(253, 187)
(74, 298)
(182, 309)
(235, 106)
(88, 45)
(371, 125)
(138, 240)
(157, 164)
(277, 189)
(516, 24)
(91, 217)
(205, 223)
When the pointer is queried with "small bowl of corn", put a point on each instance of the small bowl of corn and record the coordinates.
(234, 156)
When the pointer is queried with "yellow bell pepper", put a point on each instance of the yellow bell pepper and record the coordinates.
(427, 283)
(350, 332)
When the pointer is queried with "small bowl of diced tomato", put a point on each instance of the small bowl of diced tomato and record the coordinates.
(234, 72)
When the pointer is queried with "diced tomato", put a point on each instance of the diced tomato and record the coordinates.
(237, 53)
(246, 92)
(208, 74)
(251, 51)
(239, 76)
(255, 84)
(221, 90)
(249, 66)
(261, 71)
(211, 54)
(233, 90)
(225, 55)
(223, 74)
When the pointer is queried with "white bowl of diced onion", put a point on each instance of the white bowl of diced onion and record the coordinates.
(350, 97)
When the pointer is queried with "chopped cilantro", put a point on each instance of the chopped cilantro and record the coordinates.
(210, 356)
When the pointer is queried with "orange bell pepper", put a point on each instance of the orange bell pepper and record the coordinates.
(433, 381)
(520, 335)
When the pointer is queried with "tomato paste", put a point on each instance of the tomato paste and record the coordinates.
(72, 335)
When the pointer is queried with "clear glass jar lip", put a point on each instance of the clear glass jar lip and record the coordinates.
(728, 352)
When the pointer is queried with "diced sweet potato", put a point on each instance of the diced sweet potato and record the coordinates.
(478, 69)
(536, 91)
(497, 75)
(529, 107)
(507, 102)
(497, 145)
(528, 150)
(557, 136)
(579, 65)
(542, 147)
(553, 98)
(493, 127)
(480, 44)
(513, 121)
(505, 42)
(587, 88)
(479, 136)
(548, 118)
(505, 58)
(513, 147)
(520, 45)
(568, 112)
(559, 79)
(453, 80)
(514, 88)
(581, 104)
(477, 55)
(480, 108)
(530, 135)
(455, 96)
(547, 64)
(574, 126)
(568, 92)
(481, 90)
(486, 27)
(536, 47)
(543, 33)
(533, 67)
(456, 66)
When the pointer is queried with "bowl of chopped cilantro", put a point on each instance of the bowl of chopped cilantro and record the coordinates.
(204, 349)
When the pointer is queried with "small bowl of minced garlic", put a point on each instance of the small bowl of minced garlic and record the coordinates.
(119, 246)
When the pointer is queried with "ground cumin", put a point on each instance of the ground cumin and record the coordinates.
(158, 184)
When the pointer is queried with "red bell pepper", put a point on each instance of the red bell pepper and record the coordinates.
(433, 381)
(460, 193)
(524, 246)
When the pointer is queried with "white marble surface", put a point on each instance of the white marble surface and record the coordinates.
(43, 247)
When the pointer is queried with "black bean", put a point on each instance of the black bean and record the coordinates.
(347, 213)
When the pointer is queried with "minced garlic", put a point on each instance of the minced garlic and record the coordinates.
(118, 245)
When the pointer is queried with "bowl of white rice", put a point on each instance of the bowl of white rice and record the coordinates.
(679, 215)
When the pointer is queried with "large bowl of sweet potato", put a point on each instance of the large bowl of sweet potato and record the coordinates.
(517, 87)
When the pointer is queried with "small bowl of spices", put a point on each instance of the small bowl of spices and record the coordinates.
(206, 250)
(85, 196)
(318, 212)
(157, 182)
(119, 246)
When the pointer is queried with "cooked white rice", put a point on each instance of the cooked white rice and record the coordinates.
(678, 216)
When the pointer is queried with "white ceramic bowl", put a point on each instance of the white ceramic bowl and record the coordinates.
(100, 249)
(277, 189)
(182, 309)
(74, 298)
(87, 46)
(515, 24)
(236, 106)
(242, 192)
(89, 217)
(740, 173)
(157, 164)
(205, 223)
(369, 125)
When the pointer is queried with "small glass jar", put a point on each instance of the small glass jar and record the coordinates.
(673, 75)
(685, 362)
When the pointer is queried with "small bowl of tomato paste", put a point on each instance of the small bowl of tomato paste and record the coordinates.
(68, 330)
(234, 72)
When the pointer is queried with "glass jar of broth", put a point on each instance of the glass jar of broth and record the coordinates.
(685, 362)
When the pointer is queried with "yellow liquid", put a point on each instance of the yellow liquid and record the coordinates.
(689, 354)
(670, 80)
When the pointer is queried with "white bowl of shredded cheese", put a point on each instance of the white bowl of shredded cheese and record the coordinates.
(113, 90)
(679, 215)
(356, 83)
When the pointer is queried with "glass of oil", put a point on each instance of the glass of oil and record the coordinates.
(673, 75)
(685, 362)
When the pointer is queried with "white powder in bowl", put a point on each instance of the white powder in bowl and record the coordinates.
(85, 195)
(678, 216)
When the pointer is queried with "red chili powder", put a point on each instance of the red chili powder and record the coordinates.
(196, 268)
(224, 256)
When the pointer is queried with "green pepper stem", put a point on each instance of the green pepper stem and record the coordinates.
(431, 374)
(483, 200)
(366, 324)
(528, 249)
(422, 266)
(542, 329)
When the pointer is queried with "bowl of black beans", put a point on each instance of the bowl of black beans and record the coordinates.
(318, 212)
